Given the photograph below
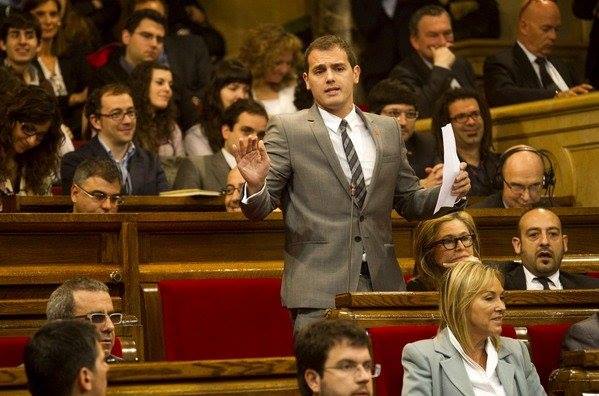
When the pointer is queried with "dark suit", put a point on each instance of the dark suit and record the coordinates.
(583, 335)
(421, 152)
(208, 172)
(111, 72)
(510, 78)
(429, 84)
(584, 9)
(147, 176)
(515, 279)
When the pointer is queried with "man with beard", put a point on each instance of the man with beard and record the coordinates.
(541, 246)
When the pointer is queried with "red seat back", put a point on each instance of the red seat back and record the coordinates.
(12, 351)
(224, 319)
(545, 345)
(117, 348)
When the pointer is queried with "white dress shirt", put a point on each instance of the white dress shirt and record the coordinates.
(533, 284)
(551, 70)
(230, 158)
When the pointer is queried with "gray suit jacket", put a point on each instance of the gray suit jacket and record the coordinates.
(306, 180)
(207, 172)
(583, 335)
(435, 367)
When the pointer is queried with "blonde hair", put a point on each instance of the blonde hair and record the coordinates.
(262, 48)
(461, 285)
(426, 269)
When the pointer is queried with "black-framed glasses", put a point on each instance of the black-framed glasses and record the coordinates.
(230, 189)
(119, 115)
(100, 317)
(450, 243)
(518, 188)
(410, 114)
(100, 196)
(353, 368)
(30, 129)
(463, 118)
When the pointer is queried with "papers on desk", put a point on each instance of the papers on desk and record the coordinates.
(451, 168)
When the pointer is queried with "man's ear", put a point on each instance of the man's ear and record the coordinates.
(93, 119)
(74, 193)
(125, 37)
(305, 76)
(312, 379)
(517, 245)
(225, 131)
(84, 379)
(2, 45)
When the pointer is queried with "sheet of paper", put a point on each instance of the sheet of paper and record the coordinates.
(451, 168)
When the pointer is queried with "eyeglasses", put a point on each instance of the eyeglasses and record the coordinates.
(517, 188)
(451, 242)
(100, 318)
(410, 114)
(30, 129)
(353, 368)
(230, 189)
(464, 117)
(119, 115)
(99, 196)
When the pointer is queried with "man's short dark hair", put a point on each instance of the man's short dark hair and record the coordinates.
(313, 343)
(429, 10)
(93, 106)
(135, 19)
(56, 353)
(389, 91)
(325, 43)
(104, 168)
(61, 304)
(232, 113)
(20, 21)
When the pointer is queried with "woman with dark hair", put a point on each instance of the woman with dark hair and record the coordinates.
(230, 82)
(30, 138)
(62, 66)
(156, 129)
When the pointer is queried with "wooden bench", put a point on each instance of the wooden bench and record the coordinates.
(579, 373)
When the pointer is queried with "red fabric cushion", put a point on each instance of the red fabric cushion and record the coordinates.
(12, 351)
(117, 348)
(545, 344)
(99, 58)
(224, 319)
(593, 274)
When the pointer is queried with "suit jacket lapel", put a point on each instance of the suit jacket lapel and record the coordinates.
(524, 64)
(217, 167)
(453, 365)
(506, 374)
(375, 132)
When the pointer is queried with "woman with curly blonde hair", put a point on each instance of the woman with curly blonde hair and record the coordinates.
(273, 56)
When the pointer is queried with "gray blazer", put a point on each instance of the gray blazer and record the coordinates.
(306, 180)
(207, 172)
(583, 335)
(435, 367)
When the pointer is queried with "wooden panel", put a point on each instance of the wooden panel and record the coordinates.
(579, 373)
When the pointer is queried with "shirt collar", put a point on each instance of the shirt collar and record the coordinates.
(130, 150)
(332, 122)
(530, 276)
(531, 57)
(492, 357)
(230, 158)
(125, 65)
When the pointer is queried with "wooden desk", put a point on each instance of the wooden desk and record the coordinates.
(579, 373)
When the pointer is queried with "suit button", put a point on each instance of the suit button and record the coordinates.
(361, 218)
(357, 239)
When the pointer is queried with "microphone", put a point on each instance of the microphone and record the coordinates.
(352, 194)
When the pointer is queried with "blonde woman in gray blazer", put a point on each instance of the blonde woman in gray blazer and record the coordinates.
(468, 356)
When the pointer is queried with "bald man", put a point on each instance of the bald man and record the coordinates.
(527, 71)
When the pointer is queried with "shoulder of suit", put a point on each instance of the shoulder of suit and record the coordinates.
(512, 345)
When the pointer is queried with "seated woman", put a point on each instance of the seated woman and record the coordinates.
(273, 55)
(30, 138)
(468, 356)
(230, 82)
(438, 244)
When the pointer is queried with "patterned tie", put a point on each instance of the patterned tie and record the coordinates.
(546, 79)
(543, 281)
(357, 177)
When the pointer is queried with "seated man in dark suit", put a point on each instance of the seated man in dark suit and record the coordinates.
(111, 113)
(527, 71)
(433, 69)
(242, 119)
(392, 98)
(541, 246)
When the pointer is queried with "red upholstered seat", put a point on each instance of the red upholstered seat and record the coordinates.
(117, 348)
(224, 319)
(100, 57)
(12, 351)
(593, 274)
(545, 344)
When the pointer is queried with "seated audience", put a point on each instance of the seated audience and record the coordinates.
(64, 358)
(30, 139)
(111, 112)
(333, 357)
(86, 299)
(527, 71)
(242, 119)
(233, 190)
(103, 14)
(196, 21)
(521, 176)
(587, 9)
(67, 71)
(391, 98)
(473, 19)
(96, 187)
(230, 82)
(584, 334)
(471, 121)
(468, 356)
(541, 247)
(273, 56)
(433, 68)
(439, 243)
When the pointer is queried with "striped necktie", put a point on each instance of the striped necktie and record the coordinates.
(543, 281)
(357, 176)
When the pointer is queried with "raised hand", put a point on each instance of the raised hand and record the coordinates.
(443, 57)
(461, 184)
(253, 162)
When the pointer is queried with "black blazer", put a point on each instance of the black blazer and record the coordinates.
(430, 84)
(147, 176)
(510, 78)
(585, 9)
(515, 280)
(421, 152)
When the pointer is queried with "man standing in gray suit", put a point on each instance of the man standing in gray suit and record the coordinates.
(337, 173)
